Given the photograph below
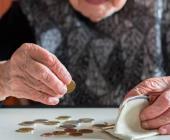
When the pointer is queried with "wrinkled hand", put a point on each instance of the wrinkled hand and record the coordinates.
(34, 73)
(157, 114)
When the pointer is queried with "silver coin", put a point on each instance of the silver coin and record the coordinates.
(86, 120)
(27, 123)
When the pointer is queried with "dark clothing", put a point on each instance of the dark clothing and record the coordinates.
(108, 58)
(14, 30)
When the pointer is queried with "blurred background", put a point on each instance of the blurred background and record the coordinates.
(14, 31)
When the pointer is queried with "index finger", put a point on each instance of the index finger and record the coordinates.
(51, 61)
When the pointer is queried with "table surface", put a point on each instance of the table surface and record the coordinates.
(9, 119)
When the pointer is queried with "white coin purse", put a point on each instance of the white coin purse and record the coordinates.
(128, 124)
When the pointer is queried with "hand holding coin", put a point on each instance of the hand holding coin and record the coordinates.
(36, 74)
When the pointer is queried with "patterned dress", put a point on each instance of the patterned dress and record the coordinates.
(108, 58)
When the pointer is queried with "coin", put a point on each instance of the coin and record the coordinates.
(51, 123)
(71, 87)
(99, 125)
(59, 133)
(63, 117)
(27, 123)
(86, 120)
(40, 120)
(75, 134)
(85, 131)
(25, 130)
(73, 122)
(68, 126)
(70, 130)
(46, 135)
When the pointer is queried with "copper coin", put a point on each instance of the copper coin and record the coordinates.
(71, 87)
(85, 131)
(46, 135)
(59, 133)
(25, 130)
(70, 130)
(68, 126)
(75, 134)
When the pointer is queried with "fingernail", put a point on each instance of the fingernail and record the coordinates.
(163, 131)
(53, 101)
(145, 125)
(63, 90)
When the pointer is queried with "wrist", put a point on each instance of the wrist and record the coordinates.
(4, 78)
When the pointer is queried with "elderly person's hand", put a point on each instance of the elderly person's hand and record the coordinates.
(157, 114)
(97, 10)
(34, 73)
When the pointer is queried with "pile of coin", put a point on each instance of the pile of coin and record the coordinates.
(65, 126)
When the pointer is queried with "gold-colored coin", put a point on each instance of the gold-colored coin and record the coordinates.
(25, 130)
(59, 133)
(71, 87)
(46, 135)
(86, 131)
(40, 120)
(70, 130)
(27, 123)
(51, 123)
(62, 118)
(75, 134)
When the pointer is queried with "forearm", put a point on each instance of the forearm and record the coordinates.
(3, 79)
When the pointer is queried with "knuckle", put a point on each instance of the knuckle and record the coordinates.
(26, 46)
(155, 83)
(51, 61)
(166, 97)
(46, 76)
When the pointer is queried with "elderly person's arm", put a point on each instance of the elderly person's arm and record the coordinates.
(34, 73)
(157, 114)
